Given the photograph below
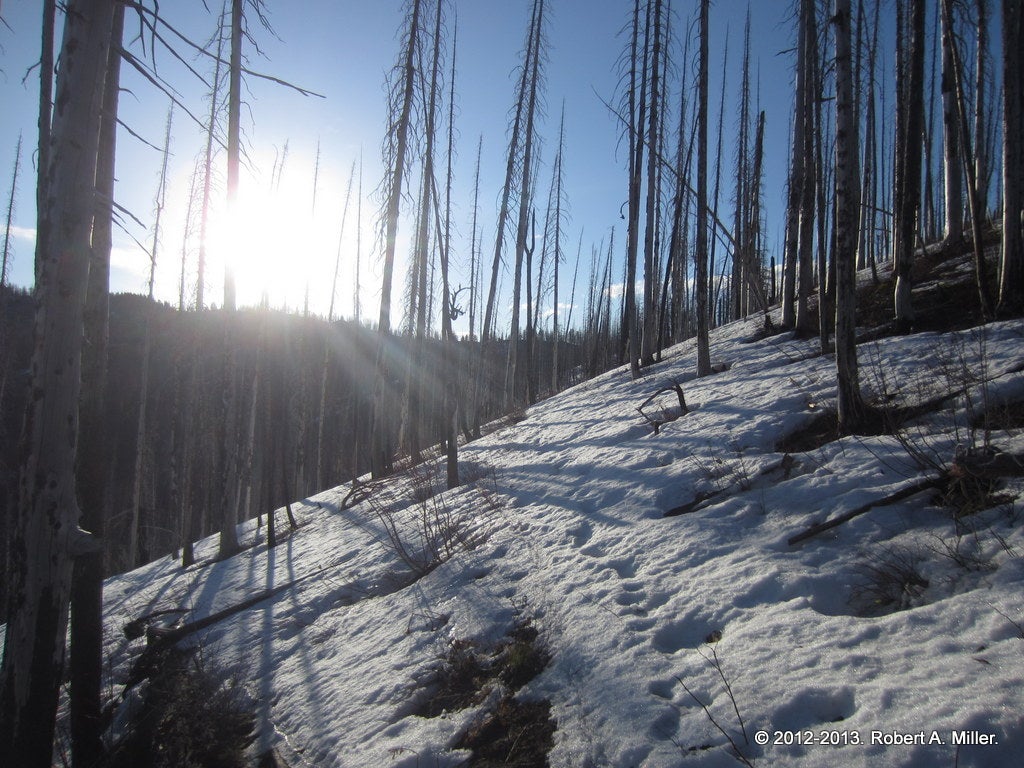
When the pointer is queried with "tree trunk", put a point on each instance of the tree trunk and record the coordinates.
(805, 238)
(382, 442)
(228, 479)
(86, 657)
(47, 535)
(701, 252)
(637, 110)
(850, 404)
(1011, 279)
(951, 161)
(796, 176)
(650, 314)
(910, 202)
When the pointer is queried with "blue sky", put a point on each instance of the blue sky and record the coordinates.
(343, 49)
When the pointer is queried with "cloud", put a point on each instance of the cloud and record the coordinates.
(24, 233)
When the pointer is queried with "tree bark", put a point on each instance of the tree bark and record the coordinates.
(382, 444)
(48, 536)
(951, 162)
(1011, 279)
(910, 202)
(701, 251)
(86, 655)
(850, 404)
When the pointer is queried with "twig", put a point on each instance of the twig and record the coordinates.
(717, 664)
(736, 750)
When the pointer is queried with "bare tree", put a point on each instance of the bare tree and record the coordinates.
(651, 225)
(910, 190)
(10, 219)
(967, 164)
(47, 534)
(981, 163)
(414, 383)
(449, 310)
(228, 464)
(86, 635)
(701, 251)
(952, 166)
(850, 403)
(796, 176)
(637, 110)
(396, 149)
(513, 374)
(1011, 281)
(556, 254)
(805, 236)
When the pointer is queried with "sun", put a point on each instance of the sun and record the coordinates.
(281, 250)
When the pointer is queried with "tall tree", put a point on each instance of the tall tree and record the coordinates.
(207, 165)
(4, 266)
(556, 255)
(981, 163)
(136, 556)
(701, 250)
(45, 121)
(967, 156)
(637, 105)
(1011, 279)
(448, 309)
(395, 150)
(850, 403)
(805, 236)
(653, 220)
(525, 203)
(796, 176)
(47, 534)
(322, 481)
(229, 458)
(910, 190)
(86, 659)
(414, 386)
(951, 161)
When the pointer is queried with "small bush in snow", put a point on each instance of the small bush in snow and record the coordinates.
(189, 718)
(889, 582)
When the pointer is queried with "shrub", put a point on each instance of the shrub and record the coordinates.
(889, 582)
(189, 718)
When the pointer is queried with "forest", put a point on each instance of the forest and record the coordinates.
(131, 426)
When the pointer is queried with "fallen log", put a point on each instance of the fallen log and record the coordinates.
(904, 493)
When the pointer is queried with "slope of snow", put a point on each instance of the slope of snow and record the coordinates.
(563, 523)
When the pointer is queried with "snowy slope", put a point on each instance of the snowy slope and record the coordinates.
(563, 523)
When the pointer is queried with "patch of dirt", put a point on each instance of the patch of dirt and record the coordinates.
(468, 672)
(517, 733)
(512, 733)
(464, 681)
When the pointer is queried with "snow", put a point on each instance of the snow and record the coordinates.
(564, 524)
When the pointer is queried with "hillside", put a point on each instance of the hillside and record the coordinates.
(556, 593)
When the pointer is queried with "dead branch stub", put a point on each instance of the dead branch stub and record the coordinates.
(664, 415)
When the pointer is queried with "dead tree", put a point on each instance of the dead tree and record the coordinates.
(1011, 279)
(395, 151)
(701, 251)
(47, 535)
(850, 403)
(910, 190)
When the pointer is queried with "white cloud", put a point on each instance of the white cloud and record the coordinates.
(24, 233)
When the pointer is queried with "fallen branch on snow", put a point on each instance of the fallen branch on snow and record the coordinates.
(904, 493)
